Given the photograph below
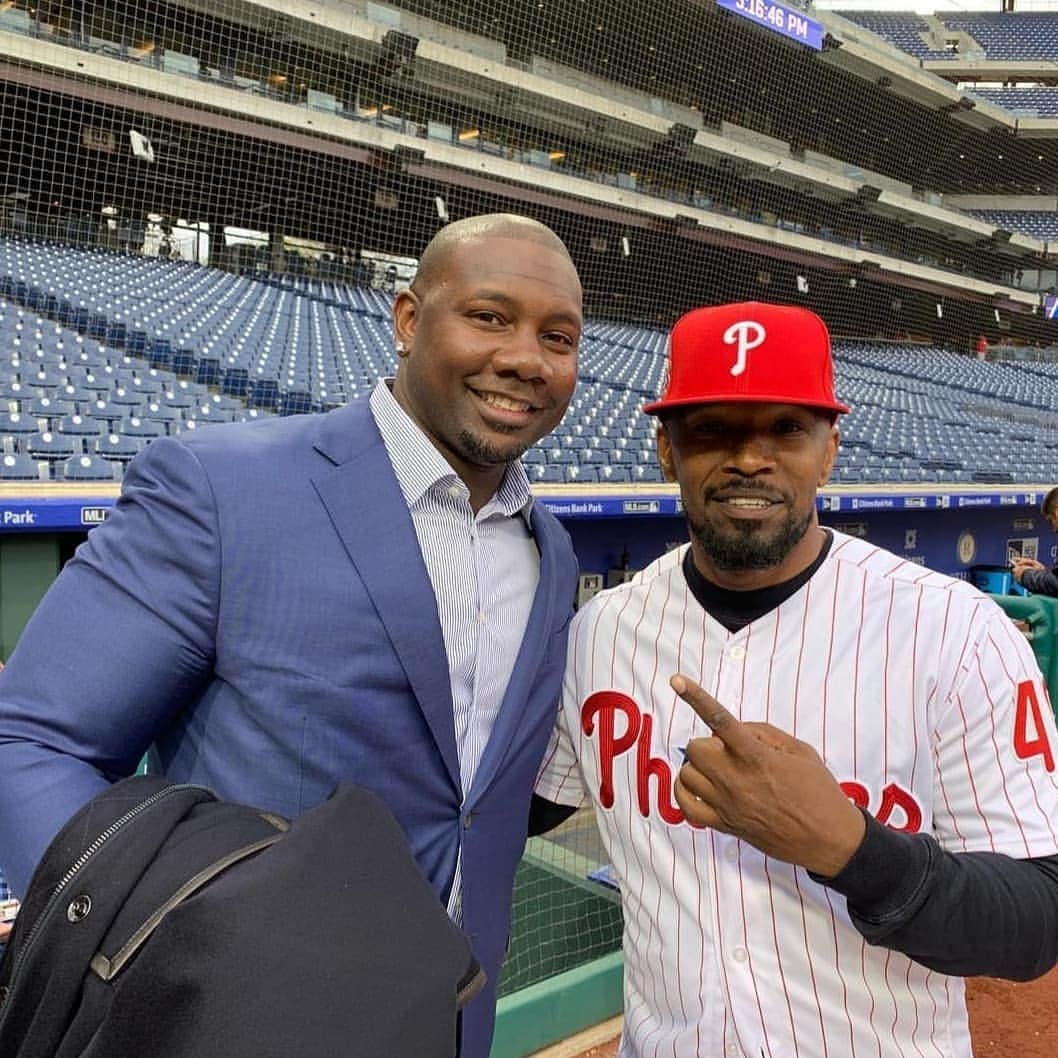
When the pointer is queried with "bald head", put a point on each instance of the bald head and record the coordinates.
(486, 226)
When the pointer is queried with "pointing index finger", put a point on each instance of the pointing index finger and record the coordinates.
(722, 722)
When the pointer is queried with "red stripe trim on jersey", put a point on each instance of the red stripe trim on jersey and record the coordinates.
(896, 1005)
(657, 917)
(701, 958)
(839, 546)
(856, 678)
(631, 822)
(928, 980)
(937, 738)
(913, 992)
(911, 697)
(675, 855)
(778, 953)
(805, 605)
(1030, 774)
(721, 954)
(992, 709)
(870, 991)
(970, 772)
(830, 659)
(930, 977)
(808, 960)
(885, 681)
(749, 947)
(938, 772)
(771, 664)
(841, 973)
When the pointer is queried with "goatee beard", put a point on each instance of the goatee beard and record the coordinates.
(746, 547)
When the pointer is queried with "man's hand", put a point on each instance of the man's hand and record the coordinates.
(767, 787)
(1023, 565)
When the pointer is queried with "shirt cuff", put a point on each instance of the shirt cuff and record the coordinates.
(886, 873)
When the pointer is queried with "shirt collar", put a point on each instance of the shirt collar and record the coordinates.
(419, 466)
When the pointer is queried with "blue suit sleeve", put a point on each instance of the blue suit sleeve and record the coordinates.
(120, 642)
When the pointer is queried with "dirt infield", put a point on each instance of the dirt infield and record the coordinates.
(1007, 1020)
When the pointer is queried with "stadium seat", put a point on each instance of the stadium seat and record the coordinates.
(79, 426)
(50, 445)
(20, 467)
(117, 446)
(89, 468)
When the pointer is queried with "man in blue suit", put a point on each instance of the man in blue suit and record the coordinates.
(369, 595)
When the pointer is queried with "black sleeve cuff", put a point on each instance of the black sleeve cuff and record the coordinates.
(886, 875)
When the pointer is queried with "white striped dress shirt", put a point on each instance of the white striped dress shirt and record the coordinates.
(484, 570)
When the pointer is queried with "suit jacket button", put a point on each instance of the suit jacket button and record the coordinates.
(79, 908)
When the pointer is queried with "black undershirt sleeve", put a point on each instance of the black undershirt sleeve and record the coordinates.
(545, 815)
(964, 913)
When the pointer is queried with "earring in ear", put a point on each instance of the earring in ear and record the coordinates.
(401, 349)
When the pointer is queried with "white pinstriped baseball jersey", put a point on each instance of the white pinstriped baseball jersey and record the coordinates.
(924, 702)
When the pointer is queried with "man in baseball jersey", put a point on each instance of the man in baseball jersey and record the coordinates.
(825, 776)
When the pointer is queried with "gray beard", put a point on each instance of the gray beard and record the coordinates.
(747, 548)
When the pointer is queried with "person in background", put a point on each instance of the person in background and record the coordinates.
(369, 596)
(1032, 574)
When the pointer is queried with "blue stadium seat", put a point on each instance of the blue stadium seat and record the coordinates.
(142, 428)
(546, 473)
(581, 474)
(50, 445)
(18, 425)
(78, 426)
(117, 446)
(19, 468)
(89, 468)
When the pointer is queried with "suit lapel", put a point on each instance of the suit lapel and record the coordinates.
(370, 515)
(524, 675)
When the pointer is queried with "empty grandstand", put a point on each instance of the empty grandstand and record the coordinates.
(206, 211)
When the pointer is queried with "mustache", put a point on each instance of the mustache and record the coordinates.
(744, 487)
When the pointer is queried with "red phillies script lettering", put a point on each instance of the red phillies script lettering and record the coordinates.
(1031, 742)
(636, 730)
(622, 727)
(893, 798)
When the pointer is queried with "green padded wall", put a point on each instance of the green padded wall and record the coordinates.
(28, 565)
(1040, 612)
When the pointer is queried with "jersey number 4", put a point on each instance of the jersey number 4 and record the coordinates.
(1030, 736)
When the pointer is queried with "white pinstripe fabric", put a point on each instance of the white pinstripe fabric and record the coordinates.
(484, 570)
(896, 675)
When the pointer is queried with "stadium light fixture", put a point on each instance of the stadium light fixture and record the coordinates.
(442, 208)
(626, 247)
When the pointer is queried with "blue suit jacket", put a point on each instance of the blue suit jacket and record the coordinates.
(257, 606)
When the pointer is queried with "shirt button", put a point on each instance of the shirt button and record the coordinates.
(734, 1050)
(467, 820)
(740, 955)
(482, 618)
(738, 653)
(454, 491)
(732, 853)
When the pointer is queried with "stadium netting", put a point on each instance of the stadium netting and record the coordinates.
(228, 195)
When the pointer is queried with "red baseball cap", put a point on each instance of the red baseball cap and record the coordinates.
(751, 352)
